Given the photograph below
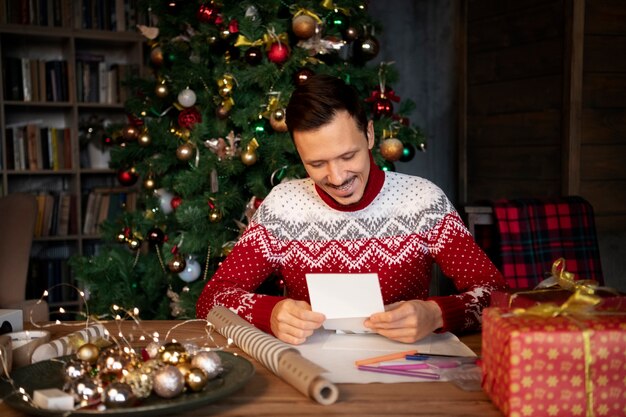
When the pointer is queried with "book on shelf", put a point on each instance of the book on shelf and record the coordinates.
(107, 203)
(54, 214)
(34, 147)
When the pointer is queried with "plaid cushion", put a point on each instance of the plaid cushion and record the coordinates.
(533, 233)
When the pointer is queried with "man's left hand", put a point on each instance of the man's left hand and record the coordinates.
(406, 321)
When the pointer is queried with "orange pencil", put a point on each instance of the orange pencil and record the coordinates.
(388, 357)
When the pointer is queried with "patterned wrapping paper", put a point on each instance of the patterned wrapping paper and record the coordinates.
(559, 366)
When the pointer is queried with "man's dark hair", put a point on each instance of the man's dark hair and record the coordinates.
(315, 103)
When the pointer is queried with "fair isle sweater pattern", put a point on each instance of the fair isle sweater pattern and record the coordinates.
(409, 225)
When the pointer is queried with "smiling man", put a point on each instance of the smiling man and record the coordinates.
(351, 217)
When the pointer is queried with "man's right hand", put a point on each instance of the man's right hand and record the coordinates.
(293, 321)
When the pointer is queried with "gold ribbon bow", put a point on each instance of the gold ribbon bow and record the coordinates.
(303, 11)
(330, 5)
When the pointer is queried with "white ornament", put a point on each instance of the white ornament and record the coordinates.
(192, 270)
(187, 97)
(165, 200)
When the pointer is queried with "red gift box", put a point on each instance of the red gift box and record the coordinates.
(557, 366)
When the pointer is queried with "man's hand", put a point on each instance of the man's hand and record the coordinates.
(406, 321)
(293, 321)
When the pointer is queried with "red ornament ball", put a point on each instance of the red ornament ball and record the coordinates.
(187, 118)
(176, 201)
(382, 108)
(207, 13)
(156, 236)
(278, 53)
(127, 177)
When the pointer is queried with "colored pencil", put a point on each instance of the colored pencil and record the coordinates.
(388, 357)
(414, 374)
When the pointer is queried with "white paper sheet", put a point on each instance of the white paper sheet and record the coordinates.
(338, 352)
(345, 299)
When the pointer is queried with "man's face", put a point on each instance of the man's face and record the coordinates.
(336, 157)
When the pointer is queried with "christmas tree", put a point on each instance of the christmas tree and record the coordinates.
(206, 139)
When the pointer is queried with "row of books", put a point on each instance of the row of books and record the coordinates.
(112, 15)
(98, 81)
(106, 203)
(56, 214)
(29, 79)
(33, 147)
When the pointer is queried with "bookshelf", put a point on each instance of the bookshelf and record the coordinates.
(63, 63)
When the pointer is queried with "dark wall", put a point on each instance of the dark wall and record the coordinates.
(419, 36)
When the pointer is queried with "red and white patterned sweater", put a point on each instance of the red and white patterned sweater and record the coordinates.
(399, 228)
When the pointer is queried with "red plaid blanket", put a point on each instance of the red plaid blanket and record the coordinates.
(533, 233)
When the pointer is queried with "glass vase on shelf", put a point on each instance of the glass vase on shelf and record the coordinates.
(94, 142)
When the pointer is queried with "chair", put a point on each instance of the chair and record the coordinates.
(528, 234)
(18, 214)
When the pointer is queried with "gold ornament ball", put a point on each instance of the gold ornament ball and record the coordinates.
(144, 139)
(303, 26)
(184, 368)
(88, 352)
(278, 121)
(248, 157)
(161, 90)
(173, 353)
(177, 263)
(168, 382)
(118, 395)
(149, 183)
(223, 111)
(156, 56)
(121, 237)
(196, 379)
(391, 149)
(134, 243)
(184, 152)
(86, 390)
(140, 382)
(215, 215)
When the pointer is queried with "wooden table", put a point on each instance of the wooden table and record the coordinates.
(267, 395)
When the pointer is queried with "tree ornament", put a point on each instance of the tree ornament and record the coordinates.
(156, 56)
(88, 352)
(408, 152)
(177, 264)
(118, 395)
(192, 270)
(366, 48)
(253, 56)
(172, 6)
(302, 75)
(114, 361)
(156, 236)
(338, 20)
(391, 149)
(140, 381)
(130, 133)
(127, 177)
(165, 200)
(196, 379)
(168, 382)
(176, 201)
(173, 353)
(144, 139)
(185, 151)
(351, 34)
(209, 361)
(188, 118)
(278, 120)
(187, 97)
(382, 107)
(222, 111)
(207, 13)
(133, 243)
(303, 26)
(225, 85)
(278, 52)
(249, 156)
(161, 90)
(149, 183)
(215, 215)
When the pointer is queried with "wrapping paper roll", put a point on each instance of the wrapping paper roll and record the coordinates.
(280, 358)
(68, 344)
